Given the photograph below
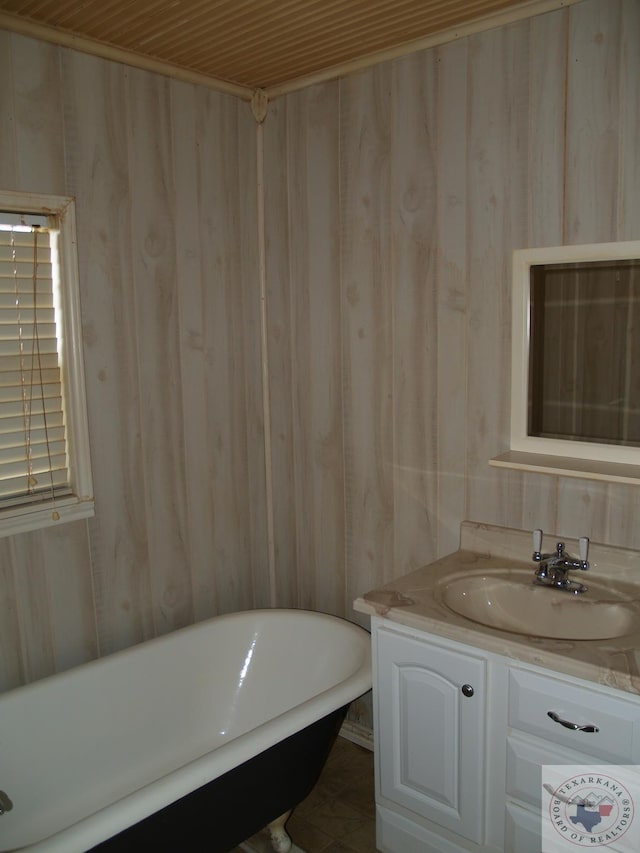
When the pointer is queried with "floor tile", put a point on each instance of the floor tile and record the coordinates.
(342, 804)
(338, 816)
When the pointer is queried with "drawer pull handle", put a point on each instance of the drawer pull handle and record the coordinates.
(573, 726)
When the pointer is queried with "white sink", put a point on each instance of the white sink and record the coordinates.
(507, 599)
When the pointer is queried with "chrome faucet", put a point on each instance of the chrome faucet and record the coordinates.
(554, 568)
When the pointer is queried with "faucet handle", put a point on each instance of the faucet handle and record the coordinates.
(537, 545)
(584, 548)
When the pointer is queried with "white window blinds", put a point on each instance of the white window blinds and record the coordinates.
(33, 451)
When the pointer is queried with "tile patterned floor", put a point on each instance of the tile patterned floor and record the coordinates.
(339, 814)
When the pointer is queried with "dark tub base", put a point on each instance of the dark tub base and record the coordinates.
(230, 809)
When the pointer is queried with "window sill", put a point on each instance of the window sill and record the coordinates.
(27, 519)
(562, 466)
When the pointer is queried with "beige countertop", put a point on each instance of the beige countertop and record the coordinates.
(413, 600)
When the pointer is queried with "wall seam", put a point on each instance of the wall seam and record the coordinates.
(264, 348)
(343, 399)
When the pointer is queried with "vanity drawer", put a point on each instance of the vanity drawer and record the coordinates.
(522, 830)
(617, 719)
(525, 759)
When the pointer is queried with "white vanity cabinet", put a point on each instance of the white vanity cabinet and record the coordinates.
(461, 736)
(609, 733)
(434, 707)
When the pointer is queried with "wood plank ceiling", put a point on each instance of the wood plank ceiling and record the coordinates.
(253, 44)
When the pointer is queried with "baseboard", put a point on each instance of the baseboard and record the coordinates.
(356, 733)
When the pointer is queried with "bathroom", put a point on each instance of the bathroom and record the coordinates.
(393, 199)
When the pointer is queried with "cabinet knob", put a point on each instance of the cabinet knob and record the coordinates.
(467, 690)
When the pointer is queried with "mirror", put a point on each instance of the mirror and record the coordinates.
(575, 388)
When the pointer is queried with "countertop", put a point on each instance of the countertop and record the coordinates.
(410, 601)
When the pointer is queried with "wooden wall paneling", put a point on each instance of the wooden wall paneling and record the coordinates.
(413, 257)
(629, 118)
(547, 109)
(294, 304)
(158, 357)
(546, 147)
(365, 102)
(34, 608)
(279, 340)
(38, 116)
(583, 508)
(191, 109)
(593, 122)
(144, 183)
(39, 162)
(624, 502)
(591, 205)
(241, 282)
(55, 599)
(314, 191)
(452, 281)
(12, 670)
(623, 509)
(497, 189)
(70, 594)
(230, 396)
(8, 164)
(96, 123)
(250, 323)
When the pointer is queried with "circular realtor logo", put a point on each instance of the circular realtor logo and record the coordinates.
(590, 809)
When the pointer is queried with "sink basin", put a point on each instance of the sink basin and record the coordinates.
(507, 599)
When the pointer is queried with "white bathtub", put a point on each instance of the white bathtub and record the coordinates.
(96, 749)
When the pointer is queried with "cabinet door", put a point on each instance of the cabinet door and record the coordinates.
(430, 734)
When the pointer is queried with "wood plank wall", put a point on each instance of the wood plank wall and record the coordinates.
(406, 188)
(165, 181)
(394, 198)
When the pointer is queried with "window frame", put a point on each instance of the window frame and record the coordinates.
(80, 504)
(521, 440)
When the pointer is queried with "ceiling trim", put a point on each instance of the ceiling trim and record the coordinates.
(17, 24)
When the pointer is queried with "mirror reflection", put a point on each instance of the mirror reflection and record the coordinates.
(584, 352)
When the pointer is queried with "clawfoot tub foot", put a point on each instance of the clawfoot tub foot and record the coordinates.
(280, 840)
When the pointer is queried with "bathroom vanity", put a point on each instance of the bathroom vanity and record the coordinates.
(467, 715)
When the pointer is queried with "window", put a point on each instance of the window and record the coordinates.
(575, 378)
(45, 474)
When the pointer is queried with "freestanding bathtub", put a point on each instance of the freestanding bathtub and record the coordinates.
(191, 741)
